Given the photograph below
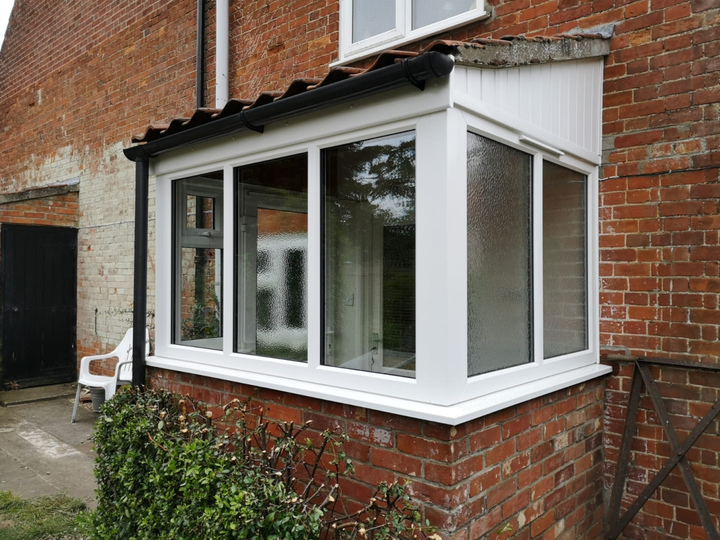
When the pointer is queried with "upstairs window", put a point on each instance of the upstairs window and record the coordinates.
(367, 26)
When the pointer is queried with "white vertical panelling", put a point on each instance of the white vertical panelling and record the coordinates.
(555, 124)
(487, 90)
(563, 98)
(461, 80)
(564, 112)
(585, 105)
(474, 80)
(574, 86)
(514, 94)
(596, 108)
(526, 109)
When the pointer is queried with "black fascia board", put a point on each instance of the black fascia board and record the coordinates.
(410, 71)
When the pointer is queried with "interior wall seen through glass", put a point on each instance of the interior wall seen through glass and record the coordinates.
(369, 255)
(271, 270)
(499, 258)
(564, 260)
(197, 261)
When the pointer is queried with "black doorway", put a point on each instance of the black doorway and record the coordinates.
(38, 293)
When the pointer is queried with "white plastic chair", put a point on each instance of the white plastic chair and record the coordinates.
(123, 369)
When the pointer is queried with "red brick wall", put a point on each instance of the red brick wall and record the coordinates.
(55, 211)
(536, 466)
(87, 77)
(98, 71)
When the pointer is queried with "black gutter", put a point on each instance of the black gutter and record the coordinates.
(142, 171)
(412, 71)
(200, 56)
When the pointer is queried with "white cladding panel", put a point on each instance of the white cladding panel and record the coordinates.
(562, 99)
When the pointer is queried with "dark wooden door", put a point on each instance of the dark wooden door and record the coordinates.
(38, 293)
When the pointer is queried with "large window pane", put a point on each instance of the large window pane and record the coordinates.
(372, 17)
(271, 272)
(499, 256)
(369, 243)
(426, 12)
(197, 256)
(564, 260)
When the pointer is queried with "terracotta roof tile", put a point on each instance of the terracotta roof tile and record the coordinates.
(298, 86)
(338, 74)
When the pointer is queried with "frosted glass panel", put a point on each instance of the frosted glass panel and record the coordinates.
(426, 12)
(271, 273)
(499, 256)
(281, 278)
(369, 242)
(564, 260)
(372, 17)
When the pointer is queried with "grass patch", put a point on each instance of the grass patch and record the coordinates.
(44, 518)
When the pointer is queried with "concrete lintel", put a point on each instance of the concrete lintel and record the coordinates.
(39, 193)
(521, 52)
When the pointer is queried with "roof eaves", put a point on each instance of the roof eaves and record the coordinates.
(391, 68)
(304, 95)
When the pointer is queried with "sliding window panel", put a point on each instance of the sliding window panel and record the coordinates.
(271, 259)
(369, 255)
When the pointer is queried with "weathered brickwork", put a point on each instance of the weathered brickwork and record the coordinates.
(54, 211)
(536, 467)
(59, 210)
(76, 85)
(688, 394)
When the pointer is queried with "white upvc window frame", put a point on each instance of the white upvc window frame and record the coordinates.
(402, 33)
(540, 366)
(198, 237)
(440, 390)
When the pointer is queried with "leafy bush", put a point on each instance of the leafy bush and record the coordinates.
(167, 469)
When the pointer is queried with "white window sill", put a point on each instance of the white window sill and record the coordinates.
(450, 415)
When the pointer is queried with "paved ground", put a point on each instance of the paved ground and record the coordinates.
(41, 452)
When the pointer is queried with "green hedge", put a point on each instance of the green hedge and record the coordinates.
(167, 470)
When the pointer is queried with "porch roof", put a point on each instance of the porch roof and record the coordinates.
(391, 69)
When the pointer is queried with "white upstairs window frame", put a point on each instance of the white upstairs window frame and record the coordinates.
(402, 33)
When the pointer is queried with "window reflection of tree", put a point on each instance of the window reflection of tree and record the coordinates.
(370, 191)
